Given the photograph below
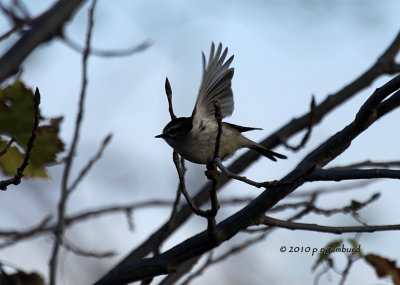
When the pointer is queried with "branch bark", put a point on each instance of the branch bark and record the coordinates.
(268, 221)
(351, 174)
(42, 29)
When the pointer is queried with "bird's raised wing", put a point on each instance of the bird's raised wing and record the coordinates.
(215, 84)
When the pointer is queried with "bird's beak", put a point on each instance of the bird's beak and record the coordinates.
(160, 136)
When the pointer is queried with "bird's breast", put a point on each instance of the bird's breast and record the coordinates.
(199, 145)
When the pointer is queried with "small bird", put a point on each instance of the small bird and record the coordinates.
(194, 137)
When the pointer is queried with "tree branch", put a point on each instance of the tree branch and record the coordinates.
(14, 236)
(20, 171)
(59, 231)
(249, 215)
(271, 222)
(42, 29)
(108, 53)
(5, 149)
(91, 162)
(367, 163)
(347, 174)
(383, 66)
(307, 135)
(168, 92)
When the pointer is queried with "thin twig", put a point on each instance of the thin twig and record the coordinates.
(218, 118)
(229, 174)
(85, 253)
(367, 163)
(352, 207)
(18, 22)
(59, 231)
(10, 32)
(5, 149)
(212, 174)
(14, 236)
(168, 91)
(307, 135)
(32, 138)
(244, 179)
(178, 195)
(271, 222)
(175, 204)
(22, 8)
(108, 53)
(350, 260)
(31, 141)
(89, 165)
(72, 219)
(332, 189)
(44, 228)
(11, 14)
(182, 186)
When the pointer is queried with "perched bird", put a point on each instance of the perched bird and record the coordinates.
(194, 137)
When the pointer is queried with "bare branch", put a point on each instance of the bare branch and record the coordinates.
(42, 29)
(178, 195)
(351, 174)
(14, 236)
(20, 171)
(10, 32)
(175, 205)
(234, 250)
(43, 228)
(108, 53)
(212, 174)
(383, 66)
(244, 179)
(310, 207)
(367, 163)
(86, 169)
(350, 260)
(332, 189)
(168, 91)
(5, 149)
(307, 135)
(85, 253)
(21, 8)
(59, 231)
(182, 186)
(201, 243)
(352, 208)
(271, 222)
(11, 14)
